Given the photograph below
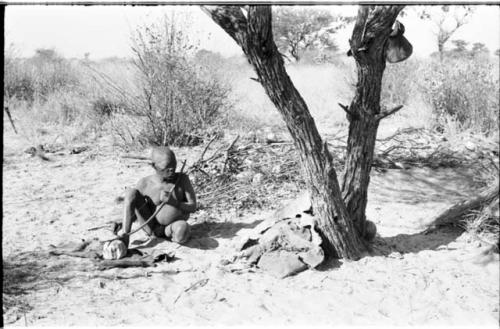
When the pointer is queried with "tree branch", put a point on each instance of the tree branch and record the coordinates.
(231, 19)
(385, 114)
(349, 113)
(373, 22)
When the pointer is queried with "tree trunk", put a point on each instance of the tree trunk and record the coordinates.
(440, 50)
(373, 26)
(254, 34)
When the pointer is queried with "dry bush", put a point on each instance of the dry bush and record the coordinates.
(47, 98)
(400, 82)
(35, 78)
(182, 101)
(464, 90)
(485, 222)
(246, 175)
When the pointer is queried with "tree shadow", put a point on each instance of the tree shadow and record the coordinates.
(204, 235)
(419, 185)
(222, 230)
(203, 243)
(24, 274)
(414, 243)
(329, 264)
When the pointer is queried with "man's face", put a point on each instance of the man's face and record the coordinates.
(164, 164)
(167, 171)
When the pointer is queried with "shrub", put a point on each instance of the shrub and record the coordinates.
(37, 77)
(18, 81)
(400, 82)
(104, 107)
(181, 100)
(464, 89)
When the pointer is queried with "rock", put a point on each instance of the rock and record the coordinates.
(295, 207)
(370, 230)
(281, 263)
(257, 179)
(263, 226)
(313, 257)
(293, 238)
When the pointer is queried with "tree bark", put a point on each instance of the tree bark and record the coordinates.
(254, 34)
(371, 31)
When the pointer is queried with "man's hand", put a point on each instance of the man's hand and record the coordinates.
(124, 238)
(169, 198)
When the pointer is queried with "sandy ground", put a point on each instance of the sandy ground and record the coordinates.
(435, 279)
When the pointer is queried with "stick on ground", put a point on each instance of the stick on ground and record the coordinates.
(6, 109)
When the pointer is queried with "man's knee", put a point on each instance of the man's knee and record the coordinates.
(131, 195)
(178, 231)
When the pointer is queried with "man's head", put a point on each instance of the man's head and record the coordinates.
(164, 162)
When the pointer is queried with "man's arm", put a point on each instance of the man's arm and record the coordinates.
(189, 205)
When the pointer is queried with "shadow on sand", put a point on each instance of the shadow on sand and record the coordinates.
(420, 185)
(223, 230)
(414, 243)
(204, 235)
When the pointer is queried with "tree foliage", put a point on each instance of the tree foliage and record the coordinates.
(479, 48)
(297, 29)
(446, 20)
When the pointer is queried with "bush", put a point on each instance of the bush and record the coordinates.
(18, 81)
(104, 107)
(464, 89)
(181, 100)
(400, 82)
(38, 77)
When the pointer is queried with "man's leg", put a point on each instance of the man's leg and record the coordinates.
(136, 207)
(178, 231)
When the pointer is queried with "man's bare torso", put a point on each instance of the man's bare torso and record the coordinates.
(151, 187)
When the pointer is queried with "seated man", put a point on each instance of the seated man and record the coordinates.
(142, 201)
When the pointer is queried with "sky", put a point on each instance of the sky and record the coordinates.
(104, 31)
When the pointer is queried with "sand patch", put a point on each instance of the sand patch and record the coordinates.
(417, 280)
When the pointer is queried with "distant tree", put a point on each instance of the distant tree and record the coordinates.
(297, 29)
(497, 52)
(460, 46)
(447, 20)
(47, 55)
(479, 48)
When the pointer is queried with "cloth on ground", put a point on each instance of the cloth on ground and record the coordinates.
(92, 249)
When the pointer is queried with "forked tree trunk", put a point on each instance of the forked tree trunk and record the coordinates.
(253, 33)
(340, 226)
(372, 28)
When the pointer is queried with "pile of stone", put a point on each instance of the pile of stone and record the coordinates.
(284, 244)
